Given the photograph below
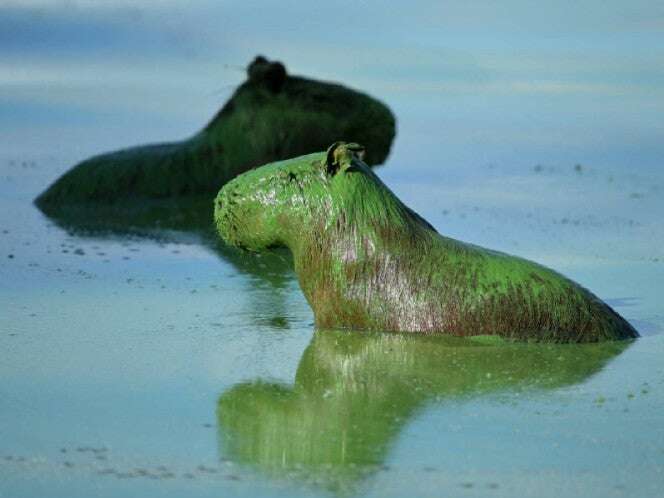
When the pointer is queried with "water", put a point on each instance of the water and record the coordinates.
(154, 362)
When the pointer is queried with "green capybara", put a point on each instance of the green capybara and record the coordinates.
(366, 261)
(271, 116)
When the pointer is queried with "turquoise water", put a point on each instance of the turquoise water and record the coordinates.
(149, 361)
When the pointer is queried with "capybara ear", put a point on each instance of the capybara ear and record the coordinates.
(340, 155)
(331, 163)
(272, 75)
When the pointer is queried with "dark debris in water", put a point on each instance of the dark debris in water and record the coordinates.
(88, 459)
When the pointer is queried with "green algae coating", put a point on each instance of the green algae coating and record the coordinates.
(365, 261)
(271, 116)
(355, 392)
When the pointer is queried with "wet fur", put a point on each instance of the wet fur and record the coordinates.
(365, 261)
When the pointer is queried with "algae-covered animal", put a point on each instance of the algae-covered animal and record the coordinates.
(271, 116)
(366, 261)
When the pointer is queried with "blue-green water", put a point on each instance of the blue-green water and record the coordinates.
(166, 366)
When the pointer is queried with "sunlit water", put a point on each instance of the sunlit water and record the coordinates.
(163, 365)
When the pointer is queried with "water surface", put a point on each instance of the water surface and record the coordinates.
(144, 359)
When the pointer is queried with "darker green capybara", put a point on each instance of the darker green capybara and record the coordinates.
(366, 261)
(271, 116)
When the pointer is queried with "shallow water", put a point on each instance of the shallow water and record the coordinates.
(158, 364)
(150, 361)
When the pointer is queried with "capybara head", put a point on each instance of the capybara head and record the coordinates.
(281, 203)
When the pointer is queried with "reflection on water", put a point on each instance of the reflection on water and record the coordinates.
(173, 219)
(185, 219)
(354, 393)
